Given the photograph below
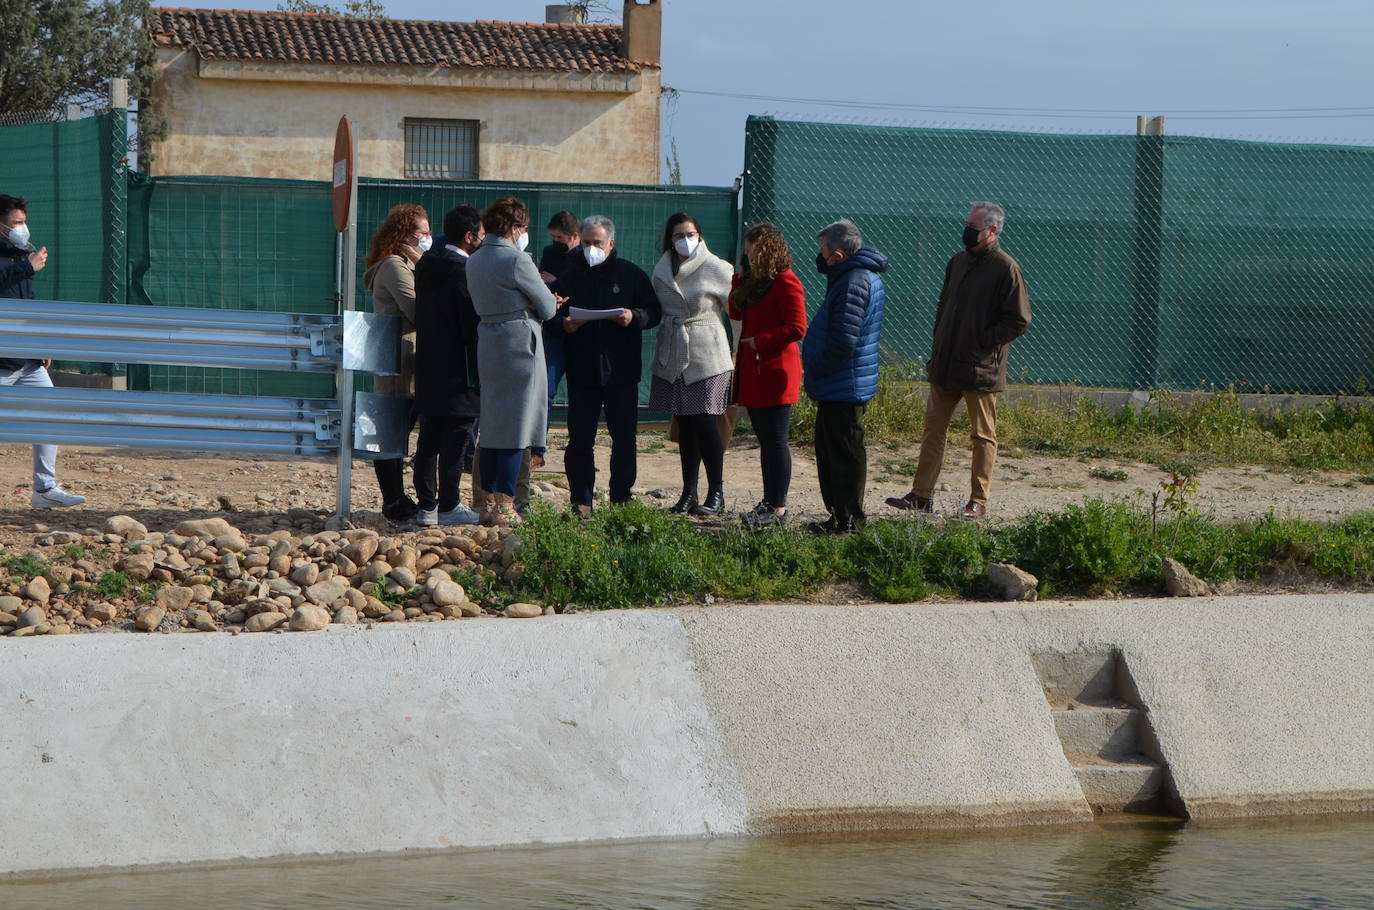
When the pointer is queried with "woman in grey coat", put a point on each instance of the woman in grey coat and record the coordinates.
(512, 302)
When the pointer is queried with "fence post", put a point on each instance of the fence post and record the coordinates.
(1148, 253)
(114, 193)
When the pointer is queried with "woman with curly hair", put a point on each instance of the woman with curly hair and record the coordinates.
(767, 299)
(398, 244)
(691, 366)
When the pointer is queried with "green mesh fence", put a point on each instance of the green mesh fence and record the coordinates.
(1152, 262)
(73, 176)
(269, 244)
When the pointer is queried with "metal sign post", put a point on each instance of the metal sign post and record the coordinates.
(345, 196)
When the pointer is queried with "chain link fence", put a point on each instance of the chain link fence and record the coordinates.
(1152, 261)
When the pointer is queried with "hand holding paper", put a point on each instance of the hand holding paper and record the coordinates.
(582, 315)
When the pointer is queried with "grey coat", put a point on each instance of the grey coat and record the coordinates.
(512, 301)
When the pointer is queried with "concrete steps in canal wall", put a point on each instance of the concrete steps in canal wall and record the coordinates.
(124, 749)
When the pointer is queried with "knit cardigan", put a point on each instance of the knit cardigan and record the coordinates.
(691, 339)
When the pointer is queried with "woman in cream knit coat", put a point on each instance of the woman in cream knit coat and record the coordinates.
(692, 361)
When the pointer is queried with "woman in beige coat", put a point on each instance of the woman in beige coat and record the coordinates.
(692, 360)
(396, 247)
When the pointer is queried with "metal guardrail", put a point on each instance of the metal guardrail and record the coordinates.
(241, 339)
(170, 420)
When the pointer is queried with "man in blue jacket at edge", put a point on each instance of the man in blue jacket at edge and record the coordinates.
(840, 369)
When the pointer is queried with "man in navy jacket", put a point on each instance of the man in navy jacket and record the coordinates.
(840, 369)
(603, 357)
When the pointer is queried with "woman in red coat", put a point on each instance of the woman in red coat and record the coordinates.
(767, 298)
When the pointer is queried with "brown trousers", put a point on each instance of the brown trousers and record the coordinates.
(982, 417)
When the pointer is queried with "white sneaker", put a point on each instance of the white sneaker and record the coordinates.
(427, 517)
(461, 515)
(54, 497)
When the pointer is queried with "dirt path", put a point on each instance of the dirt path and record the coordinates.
(163, 488)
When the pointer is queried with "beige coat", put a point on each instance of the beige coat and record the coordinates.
(392, 283)
(691, 339)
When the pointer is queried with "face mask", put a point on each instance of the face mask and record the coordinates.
(970, 237)
(560, 248)
(686, 246)
(820, 263)
(19, 235)
(595, 255)
(424, 244)
(523, 242)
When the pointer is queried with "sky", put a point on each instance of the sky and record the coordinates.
(1297, 70)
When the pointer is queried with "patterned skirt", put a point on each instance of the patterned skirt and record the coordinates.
(705, 396)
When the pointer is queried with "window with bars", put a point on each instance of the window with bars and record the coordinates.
(441, 148)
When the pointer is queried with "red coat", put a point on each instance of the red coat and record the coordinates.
(769, 374)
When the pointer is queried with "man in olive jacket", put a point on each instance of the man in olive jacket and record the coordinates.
(983, 308)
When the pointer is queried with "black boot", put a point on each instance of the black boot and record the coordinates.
(714, 504)
(686, 502)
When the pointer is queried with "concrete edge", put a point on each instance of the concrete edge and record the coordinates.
(924, 818)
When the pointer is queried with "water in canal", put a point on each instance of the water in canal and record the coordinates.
(1326, 863)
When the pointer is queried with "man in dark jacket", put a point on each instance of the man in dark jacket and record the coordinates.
(603, 356)
(983, 308)
(562, 227)
(840, 369)
(19, 261)
(447, 397)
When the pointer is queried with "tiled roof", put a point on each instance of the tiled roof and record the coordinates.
(312, 38)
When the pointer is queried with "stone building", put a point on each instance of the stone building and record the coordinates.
(248, 93)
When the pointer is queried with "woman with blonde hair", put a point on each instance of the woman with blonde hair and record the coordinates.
(767, 299)
(691, 366)
(398, 244)
(512, 303)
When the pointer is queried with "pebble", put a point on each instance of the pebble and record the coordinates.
(523, 611)
(149, 618)
(125, 526)
(346, 616)
(264, 622)
(37, 590)
(403, 576)
(324, 593)
(447, 592)
(208, 528)
(31, 617)
(172, 597)
(138, 566)
(201, 620)
(309, 618)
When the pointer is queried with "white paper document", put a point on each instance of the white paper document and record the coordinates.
(576, 312)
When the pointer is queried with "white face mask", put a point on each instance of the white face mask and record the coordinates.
(686, 246)
(19, 235)
(595, 255)
(425, 243)
(523, 242)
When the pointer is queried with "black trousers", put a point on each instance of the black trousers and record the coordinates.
(841, 460)
(772, 427)
(699, 442)
(585, 404)
(439, 456)
(391, 472)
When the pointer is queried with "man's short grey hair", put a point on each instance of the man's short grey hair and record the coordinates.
(601, 221)
(993, 216)
(842, 235)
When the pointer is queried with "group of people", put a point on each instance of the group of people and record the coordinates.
(488, 335)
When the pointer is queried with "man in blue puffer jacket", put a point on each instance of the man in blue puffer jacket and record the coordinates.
(840, 368)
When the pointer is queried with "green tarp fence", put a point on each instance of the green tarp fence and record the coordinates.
(1152, 262)
(269, 244)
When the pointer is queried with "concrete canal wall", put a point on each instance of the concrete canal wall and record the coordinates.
(126, 749)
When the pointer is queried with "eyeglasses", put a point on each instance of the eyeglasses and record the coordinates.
(689, 235)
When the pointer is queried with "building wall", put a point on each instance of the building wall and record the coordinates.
(241, 119)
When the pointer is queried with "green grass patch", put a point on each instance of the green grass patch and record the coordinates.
(635, 555)
(112, 585)
(1112, 474)
(24, 566)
